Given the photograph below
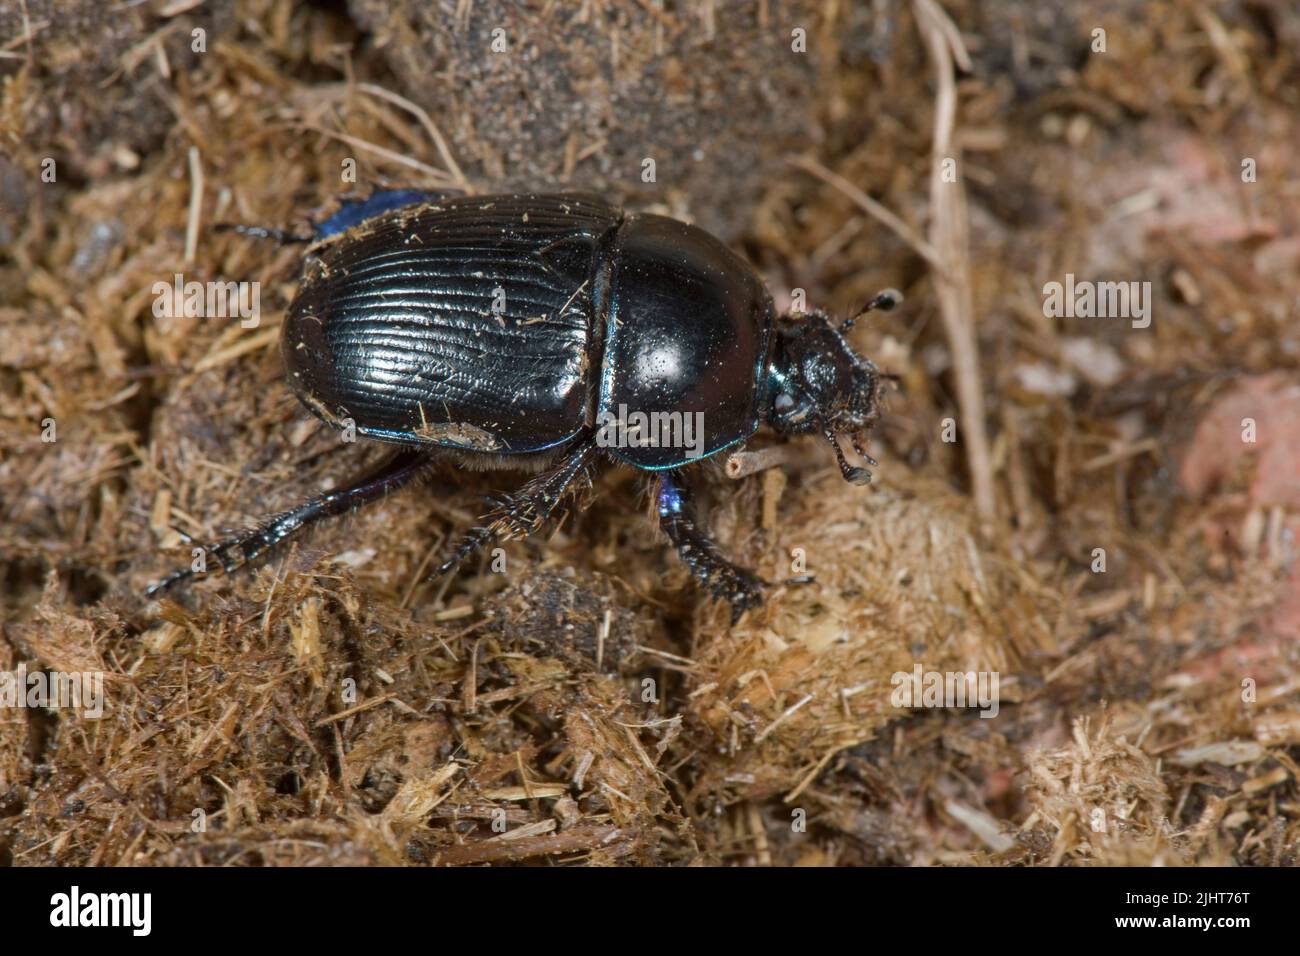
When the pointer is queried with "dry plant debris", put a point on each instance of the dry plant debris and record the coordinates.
(335, 707)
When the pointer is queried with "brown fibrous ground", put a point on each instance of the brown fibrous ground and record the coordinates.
(336, 706)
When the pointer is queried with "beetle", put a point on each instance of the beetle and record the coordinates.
(513, 330)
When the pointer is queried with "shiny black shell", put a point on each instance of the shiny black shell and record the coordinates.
(689, 331)
(507, 324)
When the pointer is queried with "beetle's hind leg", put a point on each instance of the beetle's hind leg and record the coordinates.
(241, 549)
(725, 581)
(527, 510)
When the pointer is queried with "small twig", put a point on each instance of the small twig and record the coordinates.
(872, 208)
(430, 127)
(418, 576)
(352, 711)
(471, 681)
(523, 847)
(1127, 451)
(246, 344)
(436, 175)
(789, 712)
(811, 775)
(196, 207)
(948, 233)
(602, 635)
(741, 464)
(980, 823)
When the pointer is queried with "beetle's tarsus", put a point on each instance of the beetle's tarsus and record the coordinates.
(723, 580)
(158, 587)
(241, 549)
(529, 509)
(469, 543)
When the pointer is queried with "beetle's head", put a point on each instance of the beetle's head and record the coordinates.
(819, 385)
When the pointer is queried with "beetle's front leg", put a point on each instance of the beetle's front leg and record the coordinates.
(241, 549)
(527, 510)
(724, 580)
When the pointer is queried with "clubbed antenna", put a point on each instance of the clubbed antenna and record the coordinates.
(883, 300)
(856, 476)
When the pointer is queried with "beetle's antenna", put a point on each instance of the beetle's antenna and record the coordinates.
(857, 476)
(884, 300)
(282, 236)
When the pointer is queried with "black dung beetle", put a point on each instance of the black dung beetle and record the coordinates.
(546, 332)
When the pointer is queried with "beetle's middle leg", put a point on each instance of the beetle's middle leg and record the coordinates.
(238, 550)
(527, 510)
(724, 580)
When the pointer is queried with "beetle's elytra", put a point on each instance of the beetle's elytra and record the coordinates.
(516, 330)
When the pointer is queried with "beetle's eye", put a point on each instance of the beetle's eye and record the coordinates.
(784, 402)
